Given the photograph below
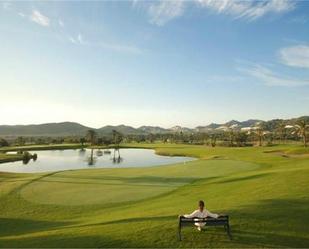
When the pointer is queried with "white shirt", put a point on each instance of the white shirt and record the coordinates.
(197, 213)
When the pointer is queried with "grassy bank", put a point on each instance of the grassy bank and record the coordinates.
(41, 147)
(265, 193)
(4, 158)
(18, 157)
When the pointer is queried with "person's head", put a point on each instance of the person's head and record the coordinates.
(201, 205)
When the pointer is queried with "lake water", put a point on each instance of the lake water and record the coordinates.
(57, 160)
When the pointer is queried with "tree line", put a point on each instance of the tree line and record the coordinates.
(265, 133)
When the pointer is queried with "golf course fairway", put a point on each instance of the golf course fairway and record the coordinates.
(263, 189)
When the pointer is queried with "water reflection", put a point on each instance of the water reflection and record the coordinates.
(107, 151)
(91, 159)
(117, 158)
(27, 157)
(99, 152)
(82, 152)
(56, 160)
(26, 160)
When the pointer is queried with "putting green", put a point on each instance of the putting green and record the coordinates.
(106, 187)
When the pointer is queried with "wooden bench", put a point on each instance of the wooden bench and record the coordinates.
(222, 220)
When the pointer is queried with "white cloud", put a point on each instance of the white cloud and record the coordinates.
(160, 12)
(271, 78)
(80, 38)
(164, 11)
(135, 3)
(60, 22)
(77, 40)
(21, 14)
(295, 56)
(248, 9)
(73, 40)
(39, 18)
(120, 48)
(6, 5)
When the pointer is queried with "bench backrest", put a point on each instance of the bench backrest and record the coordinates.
(220, 219)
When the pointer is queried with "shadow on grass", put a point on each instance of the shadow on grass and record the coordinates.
(108, 180)
(62, 241)
(125, 182)
(136, 181)
(13, 226)
(273, 223)
(132, 220)
(238, 179)
(261, 239)
(141, 179)
(269, 223)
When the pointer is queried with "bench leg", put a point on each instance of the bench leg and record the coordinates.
(228, 230)
(179, 232)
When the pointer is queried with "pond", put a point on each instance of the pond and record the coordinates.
(57, 160)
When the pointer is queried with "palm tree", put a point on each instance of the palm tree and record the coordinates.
(231, 135)
(241, 138)
(82, 140)
(282, 131)
(91, 136)
(3, 142)
(259, 131)
(301, 129)
(20, 141)
(117, 138)
(213, 140)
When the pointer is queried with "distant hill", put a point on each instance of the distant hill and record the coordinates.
(250, 123)
(124, 129)
(231, 124)
(178, 128)
(272, 124)
(71, 128)
(207, 128)
(49, 129)
(152, 129)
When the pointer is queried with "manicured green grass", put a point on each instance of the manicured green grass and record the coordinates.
(10, 157)
(266, 195)
(41, 147)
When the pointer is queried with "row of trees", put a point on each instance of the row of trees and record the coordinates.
(92, 137)
(260, 135)
(293, 132)
(263, 134)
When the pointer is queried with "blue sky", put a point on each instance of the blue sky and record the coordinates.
(161, 63)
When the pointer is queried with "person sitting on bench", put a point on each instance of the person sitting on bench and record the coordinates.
(201, 212)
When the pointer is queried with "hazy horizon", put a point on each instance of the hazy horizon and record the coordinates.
(160, 63)
(154, 125)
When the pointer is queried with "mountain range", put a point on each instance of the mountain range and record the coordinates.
(76, 129)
